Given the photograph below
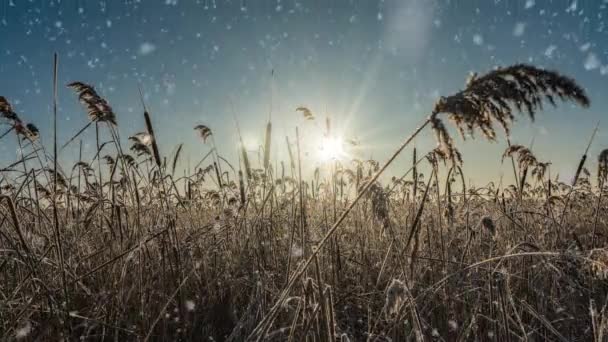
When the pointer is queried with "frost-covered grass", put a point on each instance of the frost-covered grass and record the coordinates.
(119, 247)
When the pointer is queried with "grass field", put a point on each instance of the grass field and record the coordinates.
(124, 245)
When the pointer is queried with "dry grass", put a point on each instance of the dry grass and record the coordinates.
(269, 254)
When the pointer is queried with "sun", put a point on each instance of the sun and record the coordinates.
(332, 148)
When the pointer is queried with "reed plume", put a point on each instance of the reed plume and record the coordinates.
(97, 107)
(493, 97)
(142, 138)
(203, 131)
(539, 170)
(129, 160)
(140, 149)
(525, 157)
(109, 160)
(6, 110)
(28, 131)
(307, 113)
(142, 142)
(32, 131)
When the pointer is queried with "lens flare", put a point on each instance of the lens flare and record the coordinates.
(332, 148)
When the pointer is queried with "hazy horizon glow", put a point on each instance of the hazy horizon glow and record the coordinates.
(375, 68)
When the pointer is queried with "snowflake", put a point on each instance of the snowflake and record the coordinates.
(477, 39)
(519, 29)
(146, 48)
(592, 62)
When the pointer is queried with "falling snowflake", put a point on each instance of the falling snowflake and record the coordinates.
(519, 29)
(296, 251)
(592, 62)
(550, 51)
(477, 39)
(23, 331)
(190, 306)
(529, 4)
(573, 6)
(146, 48)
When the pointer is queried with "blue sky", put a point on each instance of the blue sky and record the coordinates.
(375, 67)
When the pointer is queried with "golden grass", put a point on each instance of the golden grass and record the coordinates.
(272, 255)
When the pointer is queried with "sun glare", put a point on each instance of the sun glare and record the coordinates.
(332, 148)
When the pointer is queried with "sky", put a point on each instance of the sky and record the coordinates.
(374, 67)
